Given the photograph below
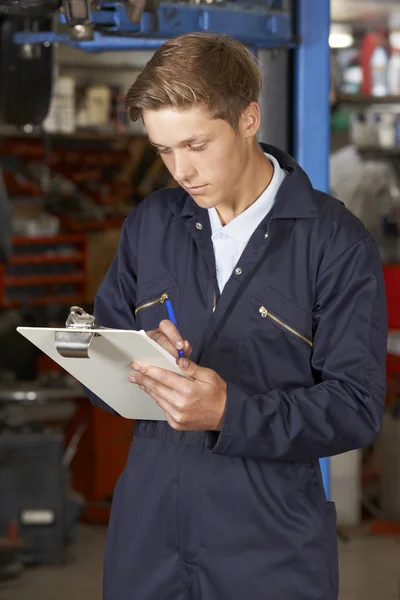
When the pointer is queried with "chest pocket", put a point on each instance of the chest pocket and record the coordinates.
(272, 309)
(151, 297)
(276, 343)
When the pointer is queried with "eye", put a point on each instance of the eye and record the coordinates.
(198, 148)
(163, 151)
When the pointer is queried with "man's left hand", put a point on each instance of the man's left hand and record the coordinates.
(196, 404)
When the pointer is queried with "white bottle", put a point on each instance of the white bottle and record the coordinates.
(393, 70)
(387, 131)
(394, 74)
(61, 117)
(66, 116)
(379, 64)
(98, 105)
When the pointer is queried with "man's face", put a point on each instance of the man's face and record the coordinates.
(205, 156)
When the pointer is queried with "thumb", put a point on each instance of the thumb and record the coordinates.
(193, 370)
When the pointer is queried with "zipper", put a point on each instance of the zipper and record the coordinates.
(214, 300)
(265, 313)
(159, 300)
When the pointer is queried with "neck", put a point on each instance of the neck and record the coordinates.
(258, 172)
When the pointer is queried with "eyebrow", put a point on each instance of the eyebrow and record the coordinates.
(193, 138)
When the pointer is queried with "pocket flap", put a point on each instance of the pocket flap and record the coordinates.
(154, 288)
(287, 315)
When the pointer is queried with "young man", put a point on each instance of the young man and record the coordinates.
(280, 305)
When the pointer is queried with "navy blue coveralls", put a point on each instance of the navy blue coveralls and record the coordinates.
(299, 335)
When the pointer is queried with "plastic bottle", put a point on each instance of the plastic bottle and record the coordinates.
(379, 67)
(394, 65)
(371, 40)
(352, 78)
(394, 74)
(387, 131)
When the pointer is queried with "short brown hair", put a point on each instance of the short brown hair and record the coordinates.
(212, 70)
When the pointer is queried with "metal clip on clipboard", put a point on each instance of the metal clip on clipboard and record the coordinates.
(75, 344)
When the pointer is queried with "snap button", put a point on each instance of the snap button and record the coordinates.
(199, 226)
(266, 235)
(238, 271)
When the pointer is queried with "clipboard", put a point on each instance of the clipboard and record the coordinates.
(100, 358)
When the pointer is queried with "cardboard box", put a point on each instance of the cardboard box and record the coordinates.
(101, 249)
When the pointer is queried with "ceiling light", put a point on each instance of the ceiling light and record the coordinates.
(340, 36)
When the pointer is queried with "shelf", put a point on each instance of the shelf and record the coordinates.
(67, 238)
(21, 280)
(80, 134)
(38, 286)
(29, 259)
(72, 300)
(361, 99)
(378, 152)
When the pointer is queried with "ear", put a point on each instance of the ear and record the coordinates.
(250, 120)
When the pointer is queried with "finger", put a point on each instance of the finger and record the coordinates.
(157, 336)
(171, 332)
(196, 372)
(158, 386)
(151, 386)
(147, 374)
(187, 348)
(169, 410)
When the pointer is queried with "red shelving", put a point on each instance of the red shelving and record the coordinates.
(40, 279)
(44, 259)
(45, 270)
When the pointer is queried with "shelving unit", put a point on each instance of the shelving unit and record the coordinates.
(79, 134)
(44, 271)
(362, 99)
(378, 152)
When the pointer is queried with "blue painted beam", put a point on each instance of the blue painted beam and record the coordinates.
(311, 126)
(312, 84)
(254, 24)
(100, 43)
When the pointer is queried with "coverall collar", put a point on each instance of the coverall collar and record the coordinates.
(295, 198)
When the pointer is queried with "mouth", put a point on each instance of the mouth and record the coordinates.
(197, 189)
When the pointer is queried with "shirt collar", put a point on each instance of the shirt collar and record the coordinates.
(242, 227)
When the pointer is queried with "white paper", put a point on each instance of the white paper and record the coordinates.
(106, 371)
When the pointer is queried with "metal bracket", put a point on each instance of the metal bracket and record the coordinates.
(75, 344)
(78, 16)
(77, 12)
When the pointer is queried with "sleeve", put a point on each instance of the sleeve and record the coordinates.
(114, 304)
(343, 410)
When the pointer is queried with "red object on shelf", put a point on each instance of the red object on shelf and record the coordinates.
(368, 45)
(392, 366)
(45, 270)
(382, 527)
(391, 274)
(100, 458)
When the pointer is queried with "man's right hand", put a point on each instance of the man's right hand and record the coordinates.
(170, 339)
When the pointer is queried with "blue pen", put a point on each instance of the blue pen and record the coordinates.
(172, 318)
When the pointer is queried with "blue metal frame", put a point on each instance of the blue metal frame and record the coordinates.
(311, 127)
(255, 24)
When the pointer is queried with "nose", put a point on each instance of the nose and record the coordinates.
(182, 168)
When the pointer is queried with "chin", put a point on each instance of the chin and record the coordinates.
(205, 201)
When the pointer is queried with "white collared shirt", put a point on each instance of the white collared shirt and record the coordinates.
(230, 240)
